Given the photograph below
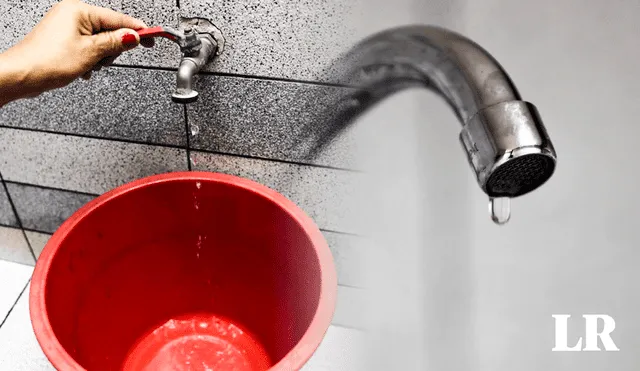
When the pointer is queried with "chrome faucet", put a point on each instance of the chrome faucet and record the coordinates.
(506, 144)
(200, 41)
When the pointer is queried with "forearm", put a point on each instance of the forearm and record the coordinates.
(13, 78)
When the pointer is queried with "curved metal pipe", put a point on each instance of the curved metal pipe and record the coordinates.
(460, 70)
(184, 80)
(498, 127)
(189, 67)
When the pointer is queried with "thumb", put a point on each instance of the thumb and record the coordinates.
(112, 43)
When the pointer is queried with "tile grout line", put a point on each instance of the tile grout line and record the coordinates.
(174, 146)
(26, 229)
(239, 76)
(348, 327)
(88, 136)
(62, 190)
(53, 188)
(186, 127)
(15, 303)
(18, 219)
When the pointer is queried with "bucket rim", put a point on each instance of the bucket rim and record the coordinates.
(295, 359)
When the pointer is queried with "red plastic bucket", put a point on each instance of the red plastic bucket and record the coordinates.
(184, 271)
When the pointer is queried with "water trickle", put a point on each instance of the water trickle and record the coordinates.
(199, 246)
(194, 130)
(500, 210)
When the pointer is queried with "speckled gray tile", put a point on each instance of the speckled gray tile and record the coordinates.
(154, 13)
(20, 16)
(13, 246)
(45, 209)
(267, 119)
(7, 217)
(81, 164)
(120, 103)
(326, 195)
(350, 256)
(37, 241)
(294, 39)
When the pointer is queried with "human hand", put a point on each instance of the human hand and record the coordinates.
(72, 39)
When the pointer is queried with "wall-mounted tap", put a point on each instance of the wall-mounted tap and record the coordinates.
(200, 41)
(503, 136)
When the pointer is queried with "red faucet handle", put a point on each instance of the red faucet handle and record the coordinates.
(159, 31)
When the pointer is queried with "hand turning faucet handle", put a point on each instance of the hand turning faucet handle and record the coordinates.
(159, 31)
(188, 40)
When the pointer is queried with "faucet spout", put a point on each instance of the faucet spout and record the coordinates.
(190, 65)
(505, 141)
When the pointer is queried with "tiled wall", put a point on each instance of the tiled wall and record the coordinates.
(62, 149)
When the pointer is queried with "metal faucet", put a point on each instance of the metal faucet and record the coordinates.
(506, 144)
(200, 41)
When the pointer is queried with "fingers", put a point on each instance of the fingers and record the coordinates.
(113, 43)
(107, 19)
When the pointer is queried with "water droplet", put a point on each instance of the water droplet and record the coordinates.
(500, 210)
(194, 130)
(198, 185)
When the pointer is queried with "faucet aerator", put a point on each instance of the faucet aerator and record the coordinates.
(509, 149)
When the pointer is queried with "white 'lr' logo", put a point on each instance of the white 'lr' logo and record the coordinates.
(591, 333)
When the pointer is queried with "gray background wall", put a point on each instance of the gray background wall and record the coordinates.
(455, 291)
